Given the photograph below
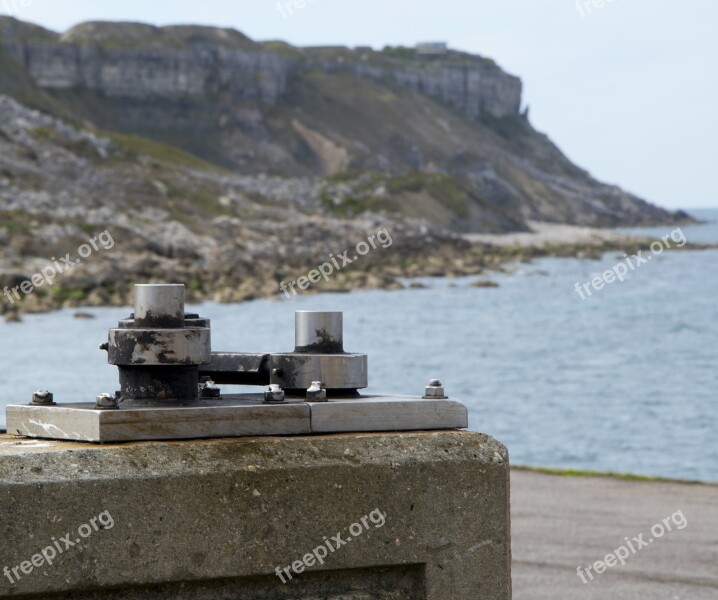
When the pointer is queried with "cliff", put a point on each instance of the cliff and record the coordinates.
(368, 132)
(133, 60)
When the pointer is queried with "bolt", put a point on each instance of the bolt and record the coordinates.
(434, 391)
(278, 372)
(43, 398)
(274, 395)
(105, 346)
(315, 393)
(208, 389)
(106, 401)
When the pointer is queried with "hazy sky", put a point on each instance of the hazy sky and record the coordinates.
(628, 90)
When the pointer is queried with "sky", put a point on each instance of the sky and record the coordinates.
(626, 88)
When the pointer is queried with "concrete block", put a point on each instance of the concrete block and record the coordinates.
(427, 514)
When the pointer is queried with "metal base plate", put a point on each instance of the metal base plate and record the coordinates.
(234, 416)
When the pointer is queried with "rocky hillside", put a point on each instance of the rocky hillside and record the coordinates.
(197, 155)
(380, 132)
(158, 213)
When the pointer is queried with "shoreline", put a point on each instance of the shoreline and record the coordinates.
(544, 234)
(457, 256)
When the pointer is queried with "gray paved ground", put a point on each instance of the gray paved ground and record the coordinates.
(559, 523)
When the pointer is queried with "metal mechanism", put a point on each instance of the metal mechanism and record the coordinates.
(159, 349)
(169, 385)
(318, 356)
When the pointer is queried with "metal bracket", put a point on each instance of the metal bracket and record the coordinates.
(234, 416)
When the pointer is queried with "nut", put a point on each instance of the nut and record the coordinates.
(274, 395)
(434, 391)
(106, 401)
(315, 393)
(208, 389)
(43, 398)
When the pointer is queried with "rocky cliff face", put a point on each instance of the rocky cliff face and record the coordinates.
(474, 85)
(132, 60)
(478, 88)
(77, 60)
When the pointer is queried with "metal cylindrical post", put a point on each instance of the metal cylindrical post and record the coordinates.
(318, 332)
(159, 350)
(159, 305)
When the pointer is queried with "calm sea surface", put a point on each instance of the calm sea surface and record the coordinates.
(624, 380)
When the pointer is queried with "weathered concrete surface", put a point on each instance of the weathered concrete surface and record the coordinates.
(213, 518)
(560, 523)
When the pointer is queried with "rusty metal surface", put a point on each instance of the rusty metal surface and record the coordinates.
(151, 347)
(236, 368)
(335, 371)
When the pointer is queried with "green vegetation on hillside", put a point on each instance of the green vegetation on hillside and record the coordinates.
(375, 192)
(403, 52)
(10, 27)
(128, 36)
(133, 146)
